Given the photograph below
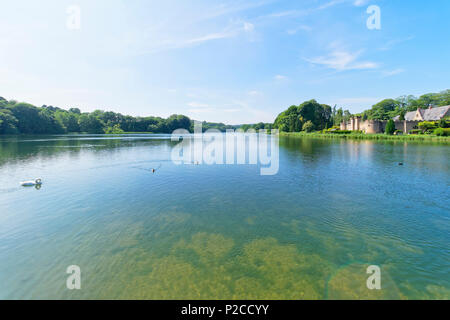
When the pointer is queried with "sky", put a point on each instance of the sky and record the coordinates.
(223, 61)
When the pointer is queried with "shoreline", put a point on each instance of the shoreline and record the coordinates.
(362, 136)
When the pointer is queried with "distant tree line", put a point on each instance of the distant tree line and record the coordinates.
(24, 118)
(390, 108)
(313, 116)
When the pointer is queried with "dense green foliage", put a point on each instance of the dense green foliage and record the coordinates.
(294, 118)
(257, 126)
(356, 135)
(389, 108)
(442, 132)
(310, 115)
(390, 127)
(308, 126)
(428, 126)
(24, 118)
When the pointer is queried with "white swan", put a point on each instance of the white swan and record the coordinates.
(30, 183)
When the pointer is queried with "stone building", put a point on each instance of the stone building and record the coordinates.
(411, 121)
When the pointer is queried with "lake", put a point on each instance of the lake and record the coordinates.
(334, 208)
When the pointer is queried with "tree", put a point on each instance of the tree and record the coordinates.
(114, 130)
(308, 126)
(90, 124)
(8, 123)
(442, 123)
(384, 110)
(427, 126)
(293, 119)
(390, 127)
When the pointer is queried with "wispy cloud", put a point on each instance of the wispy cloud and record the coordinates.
(390, 73)
(303, 12)
(280, 77)
(341, 60)
(254, 93)
(330, 4)
(198, 105)
(390, 44)
(249, 27)
(201, 110)
(360, 3)
(170, 43)
(228, 8)
(297, 29)
(205, 38)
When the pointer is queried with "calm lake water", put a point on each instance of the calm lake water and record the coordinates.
(223, 232)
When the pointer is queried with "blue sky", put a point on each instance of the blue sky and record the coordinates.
(233, 61)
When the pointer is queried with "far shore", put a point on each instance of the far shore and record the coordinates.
(362, 136)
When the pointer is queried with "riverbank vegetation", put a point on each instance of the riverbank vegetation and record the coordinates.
(354, 135)
(24, 118)
(308, 117)
(319, 120)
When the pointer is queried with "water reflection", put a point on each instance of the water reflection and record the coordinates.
(223, 232)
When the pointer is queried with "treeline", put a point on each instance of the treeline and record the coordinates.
(310, 116)
(256, 127)
(24, 118)
(390, 108)
(313, 116)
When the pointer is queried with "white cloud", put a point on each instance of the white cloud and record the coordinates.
(301, 27)
(341, 60)
(330, 4)
(394, 42)
(279, 77)
(197, 105)
(390, 73)
(248, 27)
(207, 37)
(171, 41)
(231, 110)
(201, 110)
(254, 93)
(360, 3)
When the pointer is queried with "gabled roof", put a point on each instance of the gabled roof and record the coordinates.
(432, 114)
(409, 116)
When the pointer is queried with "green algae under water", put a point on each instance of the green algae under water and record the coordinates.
(223, 232)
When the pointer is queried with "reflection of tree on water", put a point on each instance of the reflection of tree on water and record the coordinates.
(47, 147)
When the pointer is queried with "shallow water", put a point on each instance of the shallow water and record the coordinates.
(223, 231)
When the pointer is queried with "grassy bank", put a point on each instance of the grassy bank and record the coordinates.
(362, 136)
